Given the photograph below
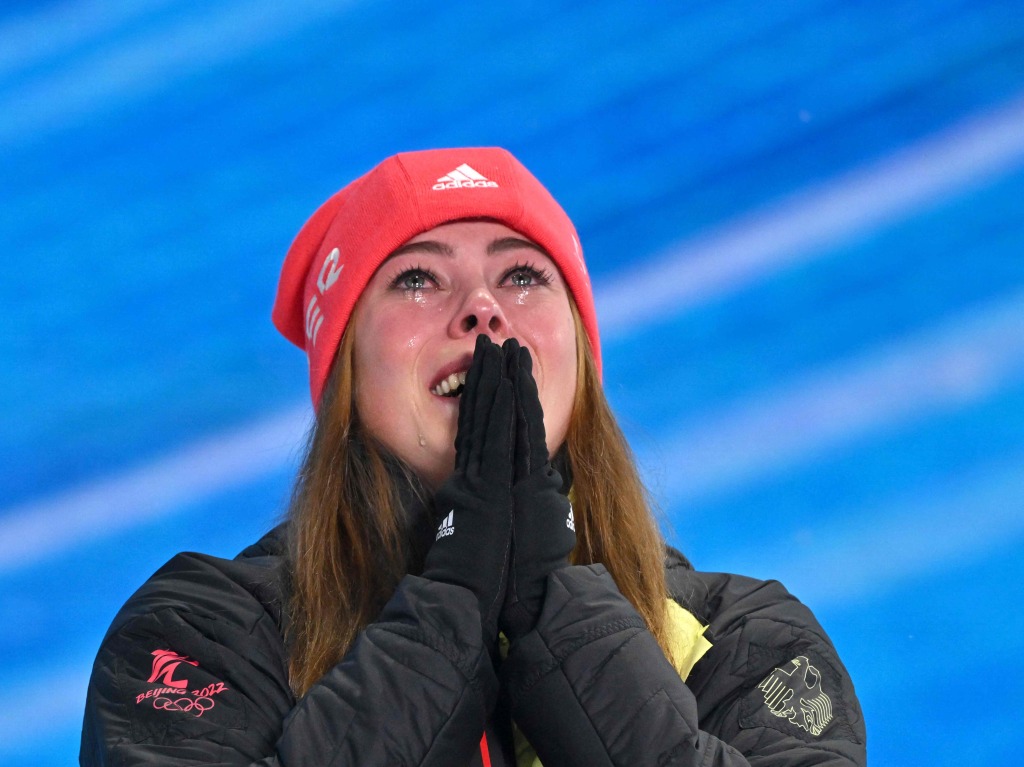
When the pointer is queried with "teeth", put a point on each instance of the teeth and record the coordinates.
(450, 385)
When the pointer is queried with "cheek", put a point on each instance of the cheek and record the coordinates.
(379, 348)
(558, 396)
(395, 329)
(387, 344)
(370, 384)
(551, 336)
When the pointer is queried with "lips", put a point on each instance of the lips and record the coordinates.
(450, 386)
(450, 379)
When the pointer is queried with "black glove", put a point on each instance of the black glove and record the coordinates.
(473, 508)
(543, 528)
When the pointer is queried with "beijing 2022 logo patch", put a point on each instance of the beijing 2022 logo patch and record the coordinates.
(171, 692)
(794, 692)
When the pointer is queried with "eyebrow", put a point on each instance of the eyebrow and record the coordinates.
(512, 243)
(501, 245)
(424, 246)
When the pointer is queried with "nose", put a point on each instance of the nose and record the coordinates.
(479, 312)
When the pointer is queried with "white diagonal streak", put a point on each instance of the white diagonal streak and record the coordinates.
(33, 39)
(962, 362)
(798, 229)
(139, 65)
(235, 459)
(966, 515)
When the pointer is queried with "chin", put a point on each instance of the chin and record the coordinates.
(433, 479)
(433, 470)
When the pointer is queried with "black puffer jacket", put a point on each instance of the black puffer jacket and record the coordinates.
(194, 671)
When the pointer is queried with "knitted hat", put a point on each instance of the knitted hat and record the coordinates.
(340, 247)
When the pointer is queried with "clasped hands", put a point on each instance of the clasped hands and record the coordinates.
(503, 524)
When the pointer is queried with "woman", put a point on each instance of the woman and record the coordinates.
(435, 598)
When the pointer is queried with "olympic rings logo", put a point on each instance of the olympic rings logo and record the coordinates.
(195, 706)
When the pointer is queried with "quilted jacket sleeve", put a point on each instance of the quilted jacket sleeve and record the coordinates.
(193, 673)
(590, 686)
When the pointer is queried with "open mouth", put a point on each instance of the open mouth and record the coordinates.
(451, 386)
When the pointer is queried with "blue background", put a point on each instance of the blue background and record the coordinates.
(805, 225)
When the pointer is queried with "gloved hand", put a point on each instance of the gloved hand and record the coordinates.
(543, 528)
(473, 508)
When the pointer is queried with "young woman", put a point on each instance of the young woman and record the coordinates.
(470, 573)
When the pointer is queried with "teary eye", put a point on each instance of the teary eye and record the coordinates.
(413, 279)
(526, 275)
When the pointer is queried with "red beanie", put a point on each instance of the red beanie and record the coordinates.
(340, 247)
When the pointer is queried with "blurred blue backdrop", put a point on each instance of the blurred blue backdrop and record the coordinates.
(805, 223)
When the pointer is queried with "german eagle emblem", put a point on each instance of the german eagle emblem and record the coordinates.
(794, 692)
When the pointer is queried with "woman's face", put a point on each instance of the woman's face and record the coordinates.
(416, 325)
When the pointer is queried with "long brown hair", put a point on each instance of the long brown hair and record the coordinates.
(351, 540)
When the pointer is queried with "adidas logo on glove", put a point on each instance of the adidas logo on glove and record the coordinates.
(570, 522)
(447, 526)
